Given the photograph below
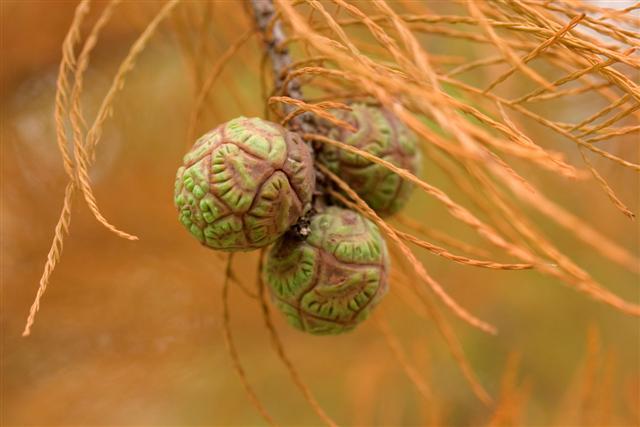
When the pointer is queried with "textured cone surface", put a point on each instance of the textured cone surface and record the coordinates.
(243, 184)
(330, 282)
(382, 134)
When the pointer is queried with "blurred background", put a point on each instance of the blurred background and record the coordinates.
(129, 333)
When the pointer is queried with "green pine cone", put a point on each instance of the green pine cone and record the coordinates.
(381, 133)
(243, 184)
(330, 282)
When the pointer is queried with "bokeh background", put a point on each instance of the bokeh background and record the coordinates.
(130, 332)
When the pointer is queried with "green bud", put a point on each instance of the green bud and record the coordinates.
(330, 282)
(382, 134)
(243, 184)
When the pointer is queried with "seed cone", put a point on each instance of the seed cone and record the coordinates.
(243, 184)
(381, 133)
(330, 282)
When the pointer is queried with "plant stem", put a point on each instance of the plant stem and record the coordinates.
(274, 39)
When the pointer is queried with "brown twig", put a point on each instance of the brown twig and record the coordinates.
(231, 347)
(86, 151)
(274, 42)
